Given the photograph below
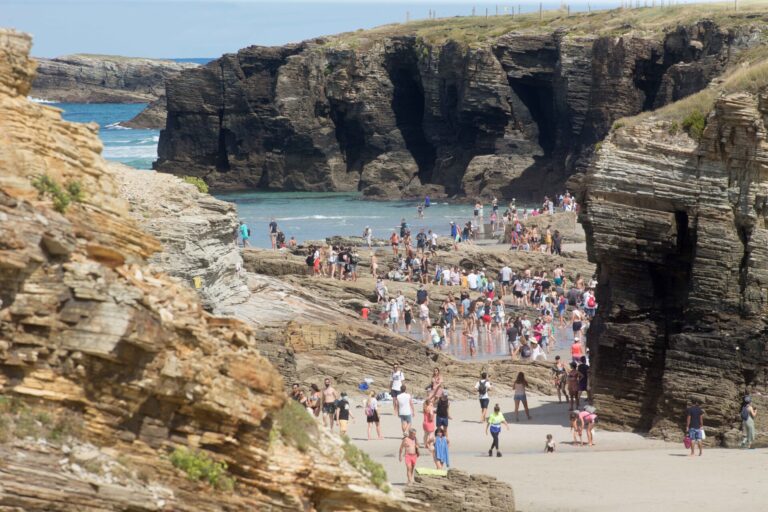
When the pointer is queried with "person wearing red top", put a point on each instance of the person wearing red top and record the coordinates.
(576, 351)
(365, 312)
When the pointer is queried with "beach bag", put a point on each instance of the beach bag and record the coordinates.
(591, 302)
(687, 442)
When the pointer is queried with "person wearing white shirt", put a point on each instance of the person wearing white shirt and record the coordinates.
(396, 383)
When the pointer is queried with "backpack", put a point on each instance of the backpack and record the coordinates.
(745, 413)
(591, 302)
(525, 352)
(310, 260)
(482, 387)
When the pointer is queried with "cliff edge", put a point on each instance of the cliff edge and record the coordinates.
(508, 106)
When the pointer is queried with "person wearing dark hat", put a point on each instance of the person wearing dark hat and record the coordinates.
(748, 413)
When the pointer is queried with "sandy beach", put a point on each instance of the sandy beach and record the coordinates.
(622, 472)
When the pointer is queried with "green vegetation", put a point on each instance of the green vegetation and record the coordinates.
(474, 30)
(18, 420)
(363, 463)
(617, 126)
(674, 128)
(694, 124)
(201, 185)
(62, 197)
(598, 145)
(200, 467)
(294, 425)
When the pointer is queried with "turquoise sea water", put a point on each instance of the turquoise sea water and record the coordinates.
(137, 148)
(304, 215)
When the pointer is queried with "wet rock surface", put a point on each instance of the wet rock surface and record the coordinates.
(678, 231)
(398, 117)
(103, 78)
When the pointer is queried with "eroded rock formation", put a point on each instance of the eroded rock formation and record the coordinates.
(397, 116)
(87, 327)
(104, 78)
(678, 231)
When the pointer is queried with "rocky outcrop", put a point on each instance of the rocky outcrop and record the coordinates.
(678, 231)
(196, 230)
(88, 328)
(398, 116)
(104, 78)
(462, 491)
(151, 118)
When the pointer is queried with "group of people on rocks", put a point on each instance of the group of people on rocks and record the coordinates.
(334, 262)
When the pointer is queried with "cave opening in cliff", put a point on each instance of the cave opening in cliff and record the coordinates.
(222, 154)
(350, 134)
(648, 76)
(539, 99)
(408, 107)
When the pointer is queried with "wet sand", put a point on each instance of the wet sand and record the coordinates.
(622, 472)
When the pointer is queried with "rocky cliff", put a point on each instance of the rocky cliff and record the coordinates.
(677, 227)
(107, 363)
(400, 112)
(103, 78)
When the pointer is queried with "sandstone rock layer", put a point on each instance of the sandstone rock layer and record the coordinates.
(88, 327)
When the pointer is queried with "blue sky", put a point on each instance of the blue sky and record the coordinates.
(206, 28)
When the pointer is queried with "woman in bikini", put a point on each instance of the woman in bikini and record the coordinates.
(428, 424)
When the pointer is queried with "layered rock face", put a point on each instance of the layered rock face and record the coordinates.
(87, 327)
(678, 231)
(396, 116)
(103, 78)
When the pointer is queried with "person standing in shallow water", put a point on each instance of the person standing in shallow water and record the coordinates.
(694, 424)
(495, 421)
(245, 233)
(273, 233)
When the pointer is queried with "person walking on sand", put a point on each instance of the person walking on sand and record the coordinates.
(343, 413)
(549, 446)
(428, 424)
(520, 385)
(559, 374)
(396, 384)
(694, 424)
(441, 450)
(442, 413)
(572, 382)
(329, 404)
(372, 414)
(410, 448)
(748, 413)
(368, 234)
(405, 409)
(245, 233)
(495, 421)
(483, 386)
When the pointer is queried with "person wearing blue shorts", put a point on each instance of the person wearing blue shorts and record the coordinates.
(694, 425)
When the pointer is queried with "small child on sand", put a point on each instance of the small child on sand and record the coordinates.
(576, 429)
(549, 447)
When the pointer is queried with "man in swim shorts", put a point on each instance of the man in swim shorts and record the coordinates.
(409, 447)
(329, 403)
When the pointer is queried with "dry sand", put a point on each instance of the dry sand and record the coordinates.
(624, 472)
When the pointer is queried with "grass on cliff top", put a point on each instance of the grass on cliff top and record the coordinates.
(199, 466)
(294, 426)
(363, 463)
(749, 77)
(646, 21)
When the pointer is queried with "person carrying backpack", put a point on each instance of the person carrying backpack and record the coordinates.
(483, 386)
(748, 413)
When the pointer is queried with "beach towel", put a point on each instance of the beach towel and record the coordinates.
(431, 472)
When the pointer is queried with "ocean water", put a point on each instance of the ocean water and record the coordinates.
(304, 215)
(137, 148)
(317, 215)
